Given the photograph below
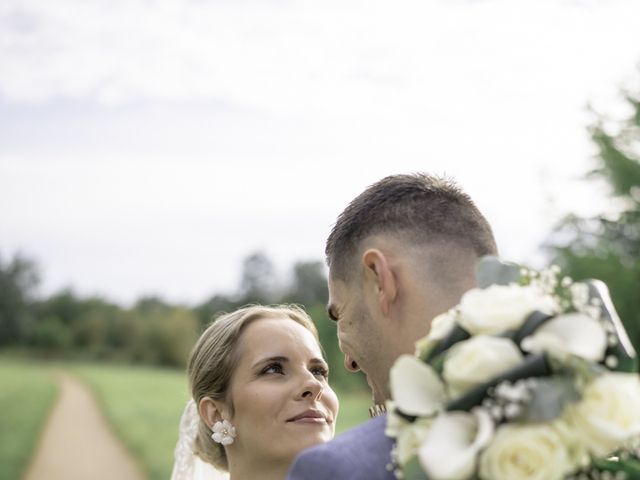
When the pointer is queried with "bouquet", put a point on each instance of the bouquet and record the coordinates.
(531, 376)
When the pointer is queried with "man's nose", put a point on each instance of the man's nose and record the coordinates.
(350, 364)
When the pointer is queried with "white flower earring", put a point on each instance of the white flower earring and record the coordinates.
(223, 432)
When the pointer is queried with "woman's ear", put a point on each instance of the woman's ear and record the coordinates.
(212, 411)
(378, 271)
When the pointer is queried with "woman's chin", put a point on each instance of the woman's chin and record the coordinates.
(308, 437)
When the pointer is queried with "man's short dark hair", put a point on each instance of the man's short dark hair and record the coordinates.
(419, 208)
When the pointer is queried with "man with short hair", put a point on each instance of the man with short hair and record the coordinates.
(401, 253)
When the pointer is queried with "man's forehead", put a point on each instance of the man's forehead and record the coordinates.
(339, 292)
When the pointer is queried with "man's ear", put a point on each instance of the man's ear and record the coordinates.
(378, 270)
(212, 411)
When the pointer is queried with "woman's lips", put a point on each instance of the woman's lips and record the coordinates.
(312, 420)
(310, 416)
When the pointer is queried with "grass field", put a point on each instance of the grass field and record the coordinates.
(142, 404)
(27, 392)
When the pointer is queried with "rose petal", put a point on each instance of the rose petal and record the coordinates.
(416, 387)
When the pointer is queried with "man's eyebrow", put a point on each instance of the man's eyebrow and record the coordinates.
(270, 359)
(332, 315)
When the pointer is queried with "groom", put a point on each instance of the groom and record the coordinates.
(401, 253)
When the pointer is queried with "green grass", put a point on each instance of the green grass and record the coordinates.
(354, 410)
(144, 406)
(27, 392)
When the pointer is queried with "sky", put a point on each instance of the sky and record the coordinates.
(148, 146)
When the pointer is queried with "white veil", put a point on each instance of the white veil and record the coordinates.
(187, 465)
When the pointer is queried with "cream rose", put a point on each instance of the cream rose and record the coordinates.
(608, 414)
(501, 307)
(474, 361)
(526, 452)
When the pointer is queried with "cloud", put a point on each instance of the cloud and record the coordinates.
(206, 129)
(364, 56)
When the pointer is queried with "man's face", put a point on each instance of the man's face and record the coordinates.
(360, 334)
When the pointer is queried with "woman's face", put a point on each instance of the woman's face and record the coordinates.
(280, 392)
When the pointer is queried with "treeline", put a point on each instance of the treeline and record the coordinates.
(152, 331)
(606, 246)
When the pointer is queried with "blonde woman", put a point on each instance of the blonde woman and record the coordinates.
(261, 395)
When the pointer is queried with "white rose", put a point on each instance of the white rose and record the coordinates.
(578, 455)
(526, 452)
(607, 416)
(474, 361)
(501, 307)
(440, 327)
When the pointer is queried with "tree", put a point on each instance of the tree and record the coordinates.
(18, 282)
(607, 246)
(258, 283)
(309, 284)
(213, 307)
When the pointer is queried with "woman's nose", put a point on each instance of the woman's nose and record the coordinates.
(311, 388)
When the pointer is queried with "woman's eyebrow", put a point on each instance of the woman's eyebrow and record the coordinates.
(321, 361)
(270, 359)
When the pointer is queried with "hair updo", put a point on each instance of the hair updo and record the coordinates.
(214, 359)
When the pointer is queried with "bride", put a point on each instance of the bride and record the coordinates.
(260, 396)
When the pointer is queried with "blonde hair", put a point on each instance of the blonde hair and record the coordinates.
(214, 359)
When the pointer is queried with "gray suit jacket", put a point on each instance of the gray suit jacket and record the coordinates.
(361, 453)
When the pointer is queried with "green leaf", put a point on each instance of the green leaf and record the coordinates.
(413, 470)
(530, 325)
(623, 349)
(491, 271)
(531, 366)
(456, 335)
(577, 367)
(630, 466)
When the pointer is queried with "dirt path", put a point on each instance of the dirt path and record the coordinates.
(77, 443)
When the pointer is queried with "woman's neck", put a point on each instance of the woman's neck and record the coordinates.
(256, 470)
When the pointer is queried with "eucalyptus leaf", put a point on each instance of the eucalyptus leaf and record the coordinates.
(549, 397)
(492, 271)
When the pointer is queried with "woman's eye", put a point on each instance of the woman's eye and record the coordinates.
(320, 371)
(273, 368)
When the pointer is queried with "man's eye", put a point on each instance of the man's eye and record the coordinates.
(273, 368)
